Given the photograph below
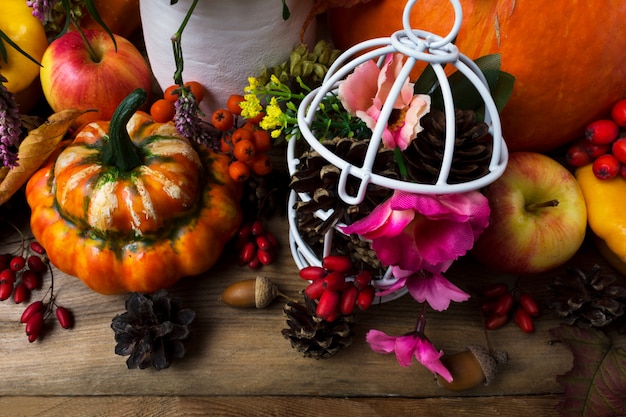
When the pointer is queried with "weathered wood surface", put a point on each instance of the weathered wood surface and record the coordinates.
(238, 363)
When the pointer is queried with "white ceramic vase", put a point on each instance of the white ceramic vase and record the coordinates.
(224, 43)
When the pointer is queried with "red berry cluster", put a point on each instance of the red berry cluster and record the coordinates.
(20, 275)
(499, 304)
(336, 294)
(604, 145)
(256, 245)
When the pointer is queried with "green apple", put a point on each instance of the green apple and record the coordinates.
(538, 217)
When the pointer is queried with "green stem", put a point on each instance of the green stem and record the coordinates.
(119, 149)
(400, 161)
(178, 49)
(92, 53)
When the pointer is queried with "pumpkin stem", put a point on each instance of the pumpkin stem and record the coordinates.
(119, 149)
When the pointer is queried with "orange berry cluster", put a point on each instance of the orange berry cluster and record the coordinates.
(604, 145)
(163, 111)
(335, 293)
(248, 144)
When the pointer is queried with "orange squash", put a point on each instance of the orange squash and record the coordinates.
(131, 205)
(568, 58)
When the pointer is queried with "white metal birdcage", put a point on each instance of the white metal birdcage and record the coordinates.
(417, 46)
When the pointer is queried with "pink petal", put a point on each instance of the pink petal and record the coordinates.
(428, 356)
(436, 290)
(358, 90)
(419, 106)
(405, 348)
(380, 342)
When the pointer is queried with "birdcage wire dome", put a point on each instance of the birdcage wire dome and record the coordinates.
(417, 46)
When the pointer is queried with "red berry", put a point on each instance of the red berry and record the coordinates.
(257, 228)
(495, 321)
(494, 291)
(315, 289)
(271, 238)
(34, 326)
(362, 279)
(312, 273)
(8, 275)
(33, 308)
(328, 306)
(254, 263)
(35, 263)
(264, 256)
(247, 252)
(242, 235)
(366, 297)
(596, 151)
(21, 293)
(30, 279)
(606, 167)
(504, 304)
(37, 248)
(577, 155)
(65, 317)
(524, 321)
(618, 113)
(334, 281)
(602, 132)
(337, 263)
(528, 304)
(17, 263)
(5, 259)
(6, 289)
(263, 243)
(619, 150)
(348, 299)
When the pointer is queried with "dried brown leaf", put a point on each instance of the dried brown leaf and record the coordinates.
(35, 149)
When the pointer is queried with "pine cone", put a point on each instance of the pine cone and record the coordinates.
(314, 337)
(319, 178)
(152, 330)
(472, 149)
(588, 300)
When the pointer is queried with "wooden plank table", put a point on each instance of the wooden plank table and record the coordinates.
(238, 363)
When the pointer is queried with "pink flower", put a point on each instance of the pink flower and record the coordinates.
(416, 232)
(427, 286)
(413, 344)
(364, 92)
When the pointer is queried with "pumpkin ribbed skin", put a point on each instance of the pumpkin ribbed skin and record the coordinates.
(138, 231)
(567, 57)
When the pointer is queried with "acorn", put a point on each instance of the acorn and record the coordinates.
(474, 366)
(256, 292)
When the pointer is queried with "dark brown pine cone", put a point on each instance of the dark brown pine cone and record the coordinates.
(472, 150)
(152, 330)
(265, 195)
(588, 300)
(314, 337)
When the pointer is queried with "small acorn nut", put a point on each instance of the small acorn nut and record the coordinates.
(256, 292)
(474, 366)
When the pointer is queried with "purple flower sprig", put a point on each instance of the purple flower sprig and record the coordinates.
(42, 9)
(188, 122)
(10, 126)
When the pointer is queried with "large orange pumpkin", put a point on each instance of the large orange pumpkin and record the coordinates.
(569, 58)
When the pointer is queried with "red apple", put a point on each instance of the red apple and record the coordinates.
(538, 217)
(74, 75)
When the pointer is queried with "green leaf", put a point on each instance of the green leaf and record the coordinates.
(596, 384)
(93, 11)
(286, 12)
(3, 51)
(465, 94)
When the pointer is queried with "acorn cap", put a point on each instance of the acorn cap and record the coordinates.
(488, 360)
(265, 292)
